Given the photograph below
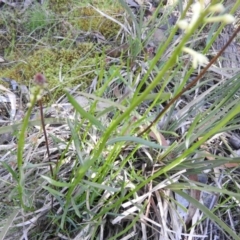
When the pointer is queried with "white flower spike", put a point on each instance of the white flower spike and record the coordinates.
(198, 58)
(197, 9)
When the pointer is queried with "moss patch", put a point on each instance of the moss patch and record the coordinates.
(60, 6)
(48, 44)
(62, 67)
(88, 19)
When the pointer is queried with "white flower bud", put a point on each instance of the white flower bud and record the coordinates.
(31, 97)
(39, 97)
(29, 105)
(183, 24)
(217, 8)
(198, 58)
(194, 63)
(197, 8)
(226, 18)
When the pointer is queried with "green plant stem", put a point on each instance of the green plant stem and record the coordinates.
(21, 143)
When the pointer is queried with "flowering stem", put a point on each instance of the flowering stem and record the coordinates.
(21, 142)
(45, 134)
(190, 85)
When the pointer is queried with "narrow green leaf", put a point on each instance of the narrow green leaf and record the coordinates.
(53, 191)
(136, 140)
(56, 183)
(83, 113)
(80, 173)
(209, 214)
(202, 187)
(76, 141)
(75, 208)
(164, 97)
(100, 186)
(189, 135)
(8, 167)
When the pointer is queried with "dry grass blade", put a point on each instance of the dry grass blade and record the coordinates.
(8, 223)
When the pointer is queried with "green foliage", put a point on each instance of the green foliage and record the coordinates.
(8, 34)
(39, 18)
(106, 172)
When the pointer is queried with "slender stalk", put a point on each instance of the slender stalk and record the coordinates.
(191, 84)
(45, 135)
(21, 143)
(47, 146)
